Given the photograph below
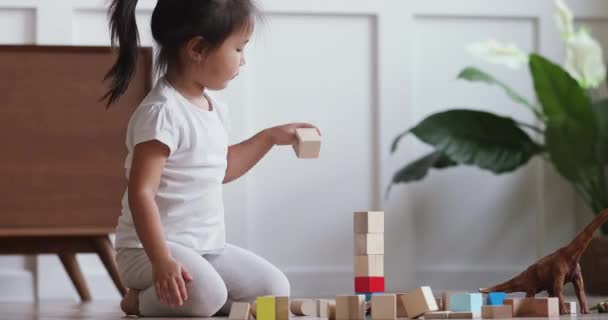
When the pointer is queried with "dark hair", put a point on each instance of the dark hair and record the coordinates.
(174, 22)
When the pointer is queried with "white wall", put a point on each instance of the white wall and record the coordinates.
(363, 71)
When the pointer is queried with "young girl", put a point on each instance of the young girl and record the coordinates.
(170, 238)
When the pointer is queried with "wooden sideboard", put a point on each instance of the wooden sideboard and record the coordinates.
(62, 152)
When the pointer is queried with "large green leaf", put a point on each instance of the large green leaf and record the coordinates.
(419, 168)
(571, 150)
(600, 111)
(560, 95)
(571, 128)
(478, 138)
(476, 75)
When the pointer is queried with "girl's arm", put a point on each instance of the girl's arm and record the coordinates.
(169, 275)
(148, 162)
(245, 155)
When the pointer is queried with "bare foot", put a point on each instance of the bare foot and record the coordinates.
(130, 303)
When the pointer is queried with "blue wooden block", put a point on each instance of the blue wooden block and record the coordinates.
(496, 298)
(466, 302)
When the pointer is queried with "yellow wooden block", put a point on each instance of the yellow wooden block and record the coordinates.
(369, 222)
(309, 143)
(239, 311)
(350, 307)
(369, 243)
(419, 302)
(369, 265)
(266, 308)
(384, 307)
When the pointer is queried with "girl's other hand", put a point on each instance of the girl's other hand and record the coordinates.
(286, 134)
(170, 279)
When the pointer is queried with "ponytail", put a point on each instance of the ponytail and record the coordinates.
(123, 29)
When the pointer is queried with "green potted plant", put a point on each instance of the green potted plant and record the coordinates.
(571, 129)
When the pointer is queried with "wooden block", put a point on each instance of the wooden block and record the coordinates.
(466, 302)
(571, 307)
(419, 302)
(302, 307)
(309, 143)
(331, 308)
(369, 222)
(437, 315)
(265, 308)
(534, 307)
(496, 298)
(369, 284)
(497, 312)
(384, 307)
(239, 311)
(440, 306)
(369, 265)
(253, 310)
(465, 315)
(350, 307)
(322, 308)
(400, 306)
(282, 308)
(369, 243)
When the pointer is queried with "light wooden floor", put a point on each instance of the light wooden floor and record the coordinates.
(110, 310)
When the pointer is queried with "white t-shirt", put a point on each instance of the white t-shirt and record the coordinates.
(189, 196)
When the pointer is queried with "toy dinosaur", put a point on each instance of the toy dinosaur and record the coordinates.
(553, 271)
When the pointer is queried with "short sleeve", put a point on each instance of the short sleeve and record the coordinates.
(155, 123)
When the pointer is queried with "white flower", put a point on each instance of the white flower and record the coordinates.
(564, 19)
(499, 53)
(585, 59)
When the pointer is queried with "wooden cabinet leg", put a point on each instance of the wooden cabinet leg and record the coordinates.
(73, 269)
(104, 249)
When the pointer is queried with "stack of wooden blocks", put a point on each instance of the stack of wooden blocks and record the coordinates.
(369, 252)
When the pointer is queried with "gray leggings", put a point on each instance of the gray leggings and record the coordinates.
(218, 280)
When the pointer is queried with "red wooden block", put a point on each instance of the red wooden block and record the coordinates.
(369, 284)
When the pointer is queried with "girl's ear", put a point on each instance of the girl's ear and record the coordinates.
(196, 48)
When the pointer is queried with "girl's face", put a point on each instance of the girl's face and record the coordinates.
(222, 64)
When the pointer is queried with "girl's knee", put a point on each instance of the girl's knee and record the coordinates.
(277, 284)
(206, 303)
